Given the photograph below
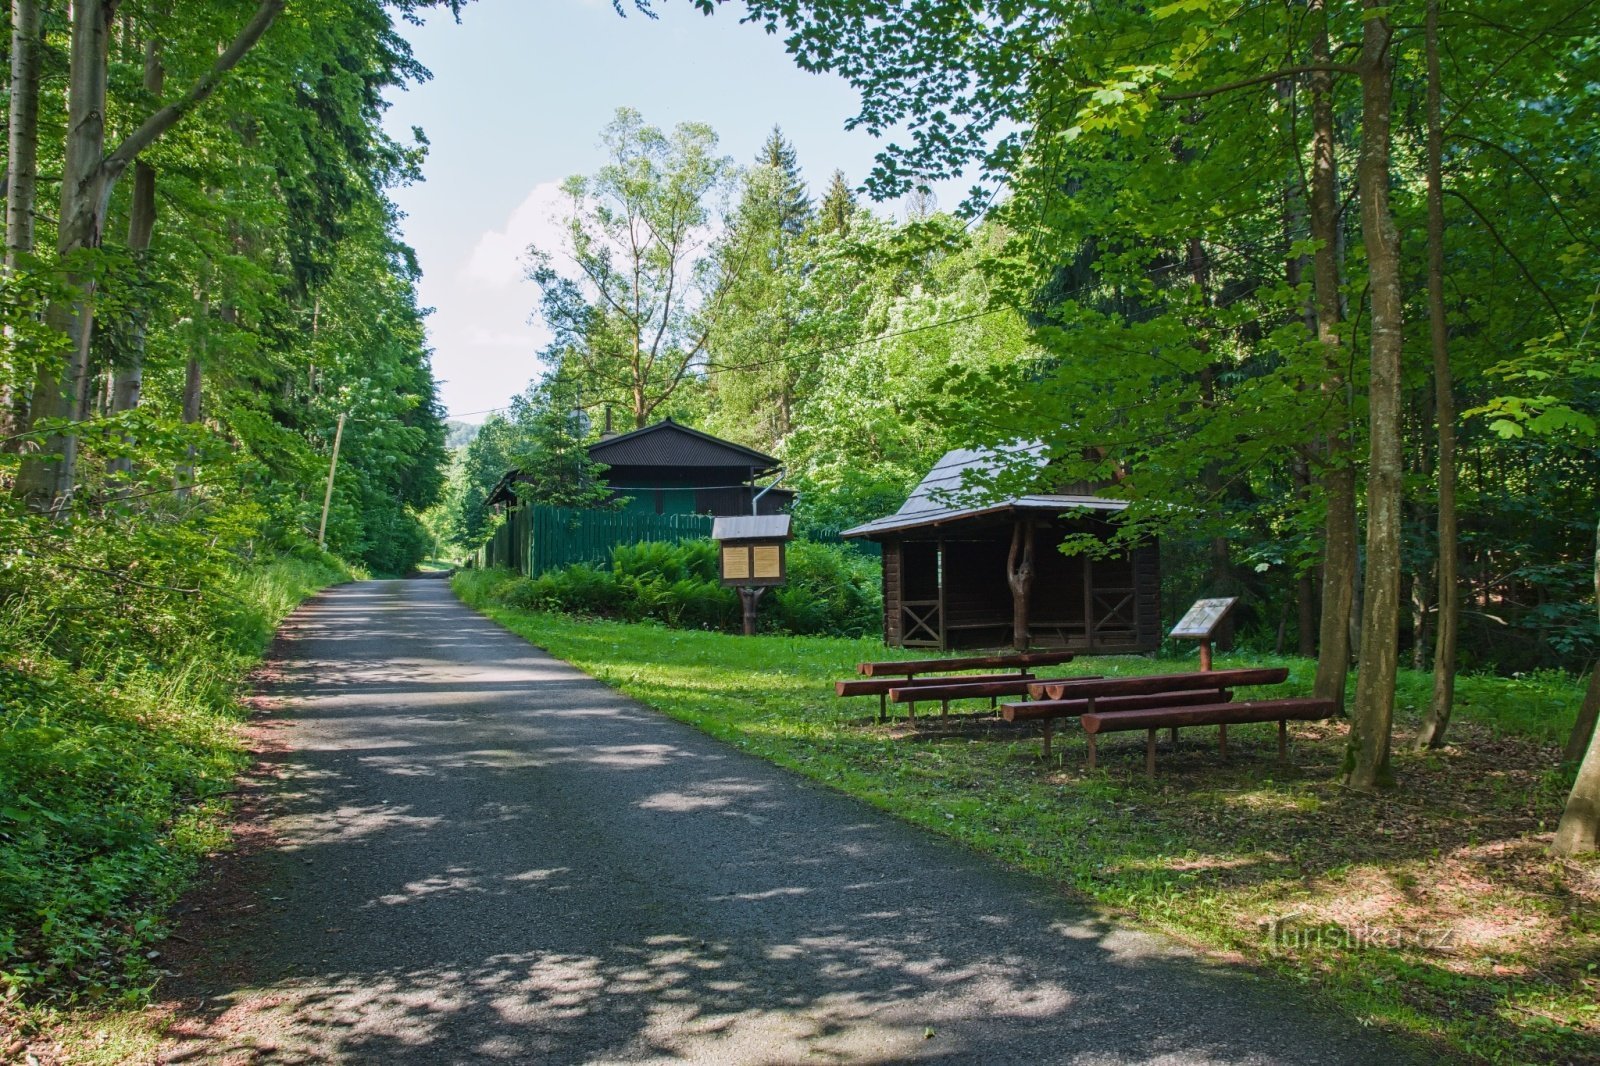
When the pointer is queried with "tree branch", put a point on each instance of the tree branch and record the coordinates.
(167, 117)
(1506, 248)
(1262, 79)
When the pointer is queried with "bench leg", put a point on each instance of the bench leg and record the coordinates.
(944, 708)
(1283, 740)
(1091, 751)
(1150, 753)
(1174, 738)
(1049, 728)
(911, 711)
(1222, 739)
(883, 706)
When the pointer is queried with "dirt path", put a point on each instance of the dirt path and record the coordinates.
(481, 854)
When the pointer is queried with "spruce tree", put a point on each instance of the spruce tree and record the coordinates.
(793, 200)
(838, 205)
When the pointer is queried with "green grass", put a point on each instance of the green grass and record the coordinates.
(1433, 911)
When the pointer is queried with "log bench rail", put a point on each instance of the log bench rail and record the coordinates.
(1221, 715)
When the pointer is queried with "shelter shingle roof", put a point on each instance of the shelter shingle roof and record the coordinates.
(954, 489)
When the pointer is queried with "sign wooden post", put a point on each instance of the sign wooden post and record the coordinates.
(751, 558)
(1201, 622)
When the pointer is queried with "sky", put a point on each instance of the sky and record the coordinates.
(519, 94)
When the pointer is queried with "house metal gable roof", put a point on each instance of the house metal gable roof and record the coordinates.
(667, 443)
(946, 495)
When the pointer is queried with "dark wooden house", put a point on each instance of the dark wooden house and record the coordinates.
(964, 570)
(669, 468)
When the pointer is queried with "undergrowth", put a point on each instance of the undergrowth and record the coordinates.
(120, 671)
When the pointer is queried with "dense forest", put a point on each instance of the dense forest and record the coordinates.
(202, 276)
(1312, 286)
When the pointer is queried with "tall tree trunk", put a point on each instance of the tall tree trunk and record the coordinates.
(1339, 559)
(22, 180)
(1579, 829)
(1588, 715)
(1019, 574)
(1367, 760)
(1437, 720)
(129, 380)
(58, 391)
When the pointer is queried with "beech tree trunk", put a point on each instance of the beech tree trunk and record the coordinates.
(58, 390)
(1579, 829)
(1588, 714)
(1019, 574)
(1437, 719)
(1367, 759)
(1339, 559)
(22, 180)
(129, 380)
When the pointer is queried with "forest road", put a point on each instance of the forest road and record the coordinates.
(478, 853)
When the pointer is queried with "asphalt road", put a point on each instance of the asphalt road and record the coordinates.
(482, 854)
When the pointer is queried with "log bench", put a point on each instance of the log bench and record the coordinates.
(1049, 710)
(1074, 688)
(882, 687)
(1072, 697)
(1221, 715)
(902, 673)
(945, 689)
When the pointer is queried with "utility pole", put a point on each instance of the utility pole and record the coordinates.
(327, 496)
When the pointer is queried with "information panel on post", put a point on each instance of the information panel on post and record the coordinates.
(750, 550)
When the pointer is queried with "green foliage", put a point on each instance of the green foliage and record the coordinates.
(831, 590)
(115, 752)
(629, 323)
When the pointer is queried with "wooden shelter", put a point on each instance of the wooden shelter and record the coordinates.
(963, 570)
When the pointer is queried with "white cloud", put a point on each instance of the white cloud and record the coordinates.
(499, 257)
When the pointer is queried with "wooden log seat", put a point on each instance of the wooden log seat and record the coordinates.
(1221, 715)
(1049, 710)
(959, 688)
(882, 686)
(1143, 684)
(1009, 660)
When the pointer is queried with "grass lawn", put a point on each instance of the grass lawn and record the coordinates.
(1434, 910)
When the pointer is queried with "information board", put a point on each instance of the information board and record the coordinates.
(768, 561)
(1203, 618)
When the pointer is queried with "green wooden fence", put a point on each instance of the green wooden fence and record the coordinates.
(535, 539)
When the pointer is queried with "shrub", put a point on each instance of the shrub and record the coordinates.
(832, 590)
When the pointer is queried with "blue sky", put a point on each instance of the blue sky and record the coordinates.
(521, 89)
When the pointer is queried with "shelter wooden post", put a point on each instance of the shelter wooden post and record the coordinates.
(1019, 573)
